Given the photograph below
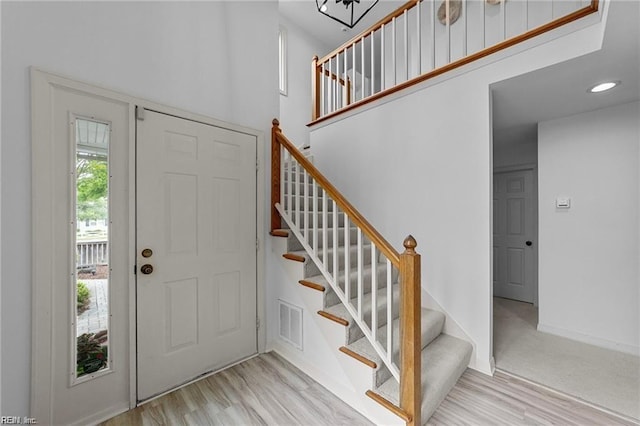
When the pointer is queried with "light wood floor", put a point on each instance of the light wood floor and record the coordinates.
(267, 390)
(478, 399)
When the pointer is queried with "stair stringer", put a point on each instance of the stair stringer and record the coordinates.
(342, 375)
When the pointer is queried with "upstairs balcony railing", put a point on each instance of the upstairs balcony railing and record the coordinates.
(425, 38)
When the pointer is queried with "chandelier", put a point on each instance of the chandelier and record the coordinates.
(349, 13)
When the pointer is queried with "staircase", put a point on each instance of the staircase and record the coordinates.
(385, 328)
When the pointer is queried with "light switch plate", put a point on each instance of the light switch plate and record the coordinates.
(563, 202)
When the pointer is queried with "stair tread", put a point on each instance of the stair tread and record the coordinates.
(352, 249)
(340, 310)
(353, 276)
(431, 327)
(443, 362)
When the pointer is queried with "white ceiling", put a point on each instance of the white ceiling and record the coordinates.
(561, 90)
(523, 101)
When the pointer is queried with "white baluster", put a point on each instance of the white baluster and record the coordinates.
(382, 76)
(360, 289)
(374, 293)
(335, 243)
(298, 189)
(393, 48)
(345, 89)
(330, 83)
(419, 35)
(315, 218)
(305, 182)
(325, 238)
(362, 67)
(283, 166)
(406, 44)
(336, 84)
(448, 21)
(434, 21)
(389, 311)
(373, 68)
(504, 20)
(323, 97)
(484, 23)
(290, 193)
(347, 259)
(353, 69)
(464, 28)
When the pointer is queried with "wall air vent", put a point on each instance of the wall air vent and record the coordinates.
(290, 323)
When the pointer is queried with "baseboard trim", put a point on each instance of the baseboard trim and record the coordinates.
(591, 340)
(103, 415)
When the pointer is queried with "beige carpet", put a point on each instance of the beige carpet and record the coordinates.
(603, 377)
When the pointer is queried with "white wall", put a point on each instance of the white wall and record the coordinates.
(420, 163)
(589, 283)
(204, 57)
(513, 146)
(295, 108)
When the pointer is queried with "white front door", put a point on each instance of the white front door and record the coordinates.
(196, 250)
(513, 236)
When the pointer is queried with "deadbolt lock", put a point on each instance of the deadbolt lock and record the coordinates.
(146, 269)
(147, 252)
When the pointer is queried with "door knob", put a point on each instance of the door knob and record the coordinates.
(528, 243)
(146, 269)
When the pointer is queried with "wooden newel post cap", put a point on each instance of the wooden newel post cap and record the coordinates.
(410, 244)
(315, 58)
(275, 122)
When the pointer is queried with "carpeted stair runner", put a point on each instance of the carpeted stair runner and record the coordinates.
(444, 358)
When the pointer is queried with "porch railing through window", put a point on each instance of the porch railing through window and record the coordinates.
(92, 253)
(425, 38)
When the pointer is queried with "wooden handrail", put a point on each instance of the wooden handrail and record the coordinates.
(374, 236)
(410, 333)
(578, 14)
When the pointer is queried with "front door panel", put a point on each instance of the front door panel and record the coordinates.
(196, 214)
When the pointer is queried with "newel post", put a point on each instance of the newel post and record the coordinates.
(276, 221)
(410, 333)
(315, 89)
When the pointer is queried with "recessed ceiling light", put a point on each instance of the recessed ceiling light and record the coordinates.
(601, 87)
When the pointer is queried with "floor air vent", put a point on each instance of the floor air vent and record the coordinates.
(290, 323)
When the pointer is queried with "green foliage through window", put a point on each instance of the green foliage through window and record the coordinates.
(92, 188)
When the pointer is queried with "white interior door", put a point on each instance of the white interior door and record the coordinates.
(513, 235)
(196, 215)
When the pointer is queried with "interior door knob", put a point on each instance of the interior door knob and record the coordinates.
(528, 243)
(146, 269)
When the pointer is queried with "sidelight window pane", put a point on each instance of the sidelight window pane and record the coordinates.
(91, 246)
